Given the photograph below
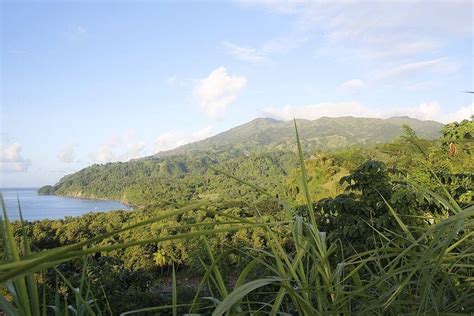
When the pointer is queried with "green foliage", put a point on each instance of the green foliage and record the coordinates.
(46, 190)
(261, 151)
(175, 180)
(326, 133)
(353, 215)
(375, 242)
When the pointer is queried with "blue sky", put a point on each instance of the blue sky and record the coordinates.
(93, 82)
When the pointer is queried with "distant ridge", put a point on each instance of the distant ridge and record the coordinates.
(260, 149)
(325, 133)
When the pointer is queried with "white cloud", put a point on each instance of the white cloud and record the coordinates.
(353, 85)
(169, 140)
(284, 43)
(439, 65)
(421, 85)
(312, 112)
(134, 150)
(424, 111)
(120, 147)
(370, 30)
(412, 75)
(11, 159)
(243, 53)
(384, 49)
(282, 7)
(218, 90)
(67, 153)
(127, 145)
(104, 154)
(279, 45)
(463, 113)
(11, 152)
(202, 133)
(432, 111)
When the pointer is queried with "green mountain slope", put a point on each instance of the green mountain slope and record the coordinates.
(261, 151)
(265, 134)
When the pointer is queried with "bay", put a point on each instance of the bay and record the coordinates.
(37, 207)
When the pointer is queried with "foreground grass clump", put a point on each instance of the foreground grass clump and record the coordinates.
(404, 268)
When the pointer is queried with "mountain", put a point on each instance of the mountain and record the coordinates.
(325, 133)
(260, 151)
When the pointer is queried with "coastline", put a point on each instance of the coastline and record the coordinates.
(80, 197)
(37, 206)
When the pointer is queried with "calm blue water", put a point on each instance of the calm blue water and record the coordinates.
(35, 207)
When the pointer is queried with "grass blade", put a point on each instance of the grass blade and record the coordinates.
(239, 293)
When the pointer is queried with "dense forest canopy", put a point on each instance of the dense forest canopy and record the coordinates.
(355, 190)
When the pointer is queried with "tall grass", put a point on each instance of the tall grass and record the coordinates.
(414, 270)
(425, 270)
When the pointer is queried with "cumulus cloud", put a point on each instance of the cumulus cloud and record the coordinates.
(104, 154)
(67, 153)
(11, 159)
(120, 147)
(170, 140)
(243, 53)
(107, 150)
(463, 113)
(314, 111)
(218, 90)
(424, 111)
(353, 85)
(127, 145)
(433, 111)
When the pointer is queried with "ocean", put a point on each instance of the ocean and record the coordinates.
(36, 207)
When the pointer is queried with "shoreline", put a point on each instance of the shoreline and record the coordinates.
(71, 206)
(131, 206)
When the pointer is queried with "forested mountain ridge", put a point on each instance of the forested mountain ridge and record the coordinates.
(261, 151)
(325, 133)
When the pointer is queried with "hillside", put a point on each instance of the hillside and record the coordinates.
(265, 134)
(260, 151)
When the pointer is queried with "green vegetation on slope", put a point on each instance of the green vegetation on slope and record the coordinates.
(264, 134)
(261, 151)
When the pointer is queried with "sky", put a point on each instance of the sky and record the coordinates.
(97, 81)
